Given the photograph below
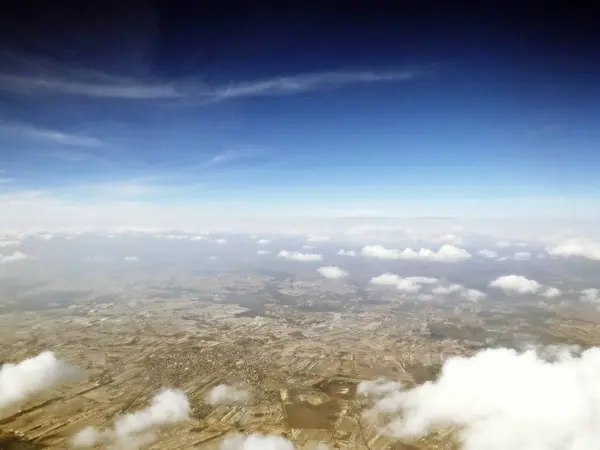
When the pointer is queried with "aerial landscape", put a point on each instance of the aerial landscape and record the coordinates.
(249, 227)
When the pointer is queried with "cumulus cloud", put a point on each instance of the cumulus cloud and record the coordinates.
(133, 430)
(224, 394)
(502, 399)
(256, 442)
(15, 257)
(591, 295)
(346, 252)
(491, 254)
(441, 290)
(516, 283)
(198, 238)
(522, 256)
(221, 241)
(332, 272)
(575, 247)
(297, 256)
(552, 292)
(473, 295)
(447, 253)
(503, 243)
(19, 382)
(262, 252)
(263, 242)
(404, 284)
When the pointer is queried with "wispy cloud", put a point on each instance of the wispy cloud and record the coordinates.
(230, 156)
(133, 91)
(108, 87)
(296, 84)
(54, 136)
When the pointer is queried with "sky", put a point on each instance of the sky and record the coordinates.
(131, 114)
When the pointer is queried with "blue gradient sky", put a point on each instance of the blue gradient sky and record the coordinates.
(401, 120)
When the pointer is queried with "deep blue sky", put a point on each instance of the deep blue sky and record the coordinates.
(363, 107)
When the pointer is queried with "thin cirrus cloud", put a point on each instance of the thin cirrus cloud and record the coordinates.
(47, 135)
(107, 87)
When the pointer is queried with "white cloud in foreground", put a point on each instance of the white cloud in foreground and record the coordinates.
(332, 272)
(132, 430)
(516, 283)
(346, 252)
(224, 394)
(256, 442)
(590, 250)
(18, 382)
(500, 399)
(297, 256)
(447, 253)
(15, 257)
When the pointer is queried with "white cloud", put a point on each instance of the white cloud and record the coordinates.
(500, 399)
(378, 387)
(576, 247)
(346, 252)
(551, 292)
(332, 272)
(516, 283)
(442, 290)
(131, 259)
(473, 295)
(255, 442)
(522, 256)
(591, 295)
(263, 242)
(447, 253)
(15, 257)
(503, 243)
(404, 284)
(488, 253)
(19, 382)
(221, 241)
(227, 395)
(386, 279)
(198, 238)
(132, 430)
(297, 256)
(4, 244)
(262, 252)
